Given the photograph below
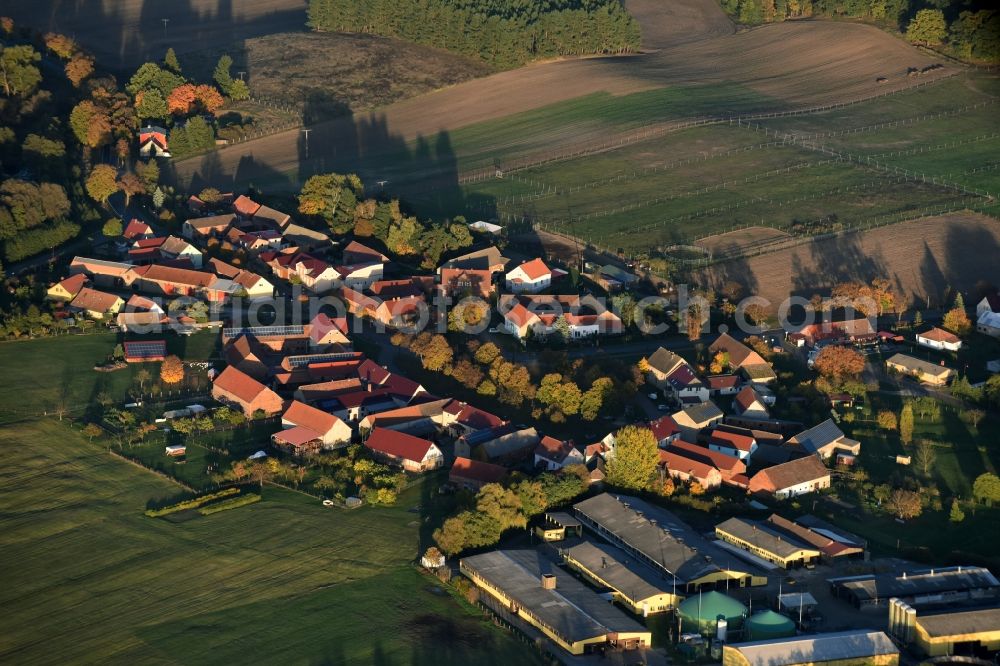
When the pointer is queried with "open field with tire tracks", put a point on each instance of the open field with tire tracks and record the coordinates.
(777, 67)
(923, 258)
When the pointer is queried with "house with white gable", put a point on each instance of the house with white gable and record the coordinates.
(530, 277)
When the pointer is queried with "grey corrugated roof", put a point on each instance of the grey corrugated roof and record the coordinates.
(704, 412)
(624, 573)
(759, 535)
(572, 610)
(668, 543)
(816, 648)
(953, 623)
(950, 579)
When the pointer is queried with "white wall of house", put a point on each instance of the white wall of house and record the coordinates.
(803, 488)
(524, 285)
(938, 344)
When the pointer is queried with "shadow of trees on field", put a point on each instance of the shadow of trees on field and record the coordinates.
(423, 174)
(122, 35)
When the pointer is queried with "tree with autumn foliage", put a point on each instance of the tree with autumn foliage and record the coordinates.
(102, 182)
(839, 364)
(957, 321)
(79, 67)
(172, 370)
(185, 98)
(130, 184)
(633, 466)
(61, 45)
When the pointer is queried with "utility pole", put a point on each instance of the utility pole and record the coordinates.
(241, 75)
(306, 132)
(165, 22)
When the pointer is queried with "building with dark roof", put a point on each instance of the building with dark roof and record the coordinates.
(840, 648)
(633, 584)
(967, 631)
(764, 542)
(525, 584)
(920, 589)
(659, 539)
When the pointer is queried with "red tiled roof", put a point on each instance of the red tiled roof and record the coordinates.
(553, 449)
(297, 436)
(245, 206)
(478, 419)
(172, 275)
(239, 384)
(355, 251)
(93, 300)
(535, 269)
(520, 315)
(398, 444)
(401, 385)
(74, 283)
(717, 459)
(739, 353)
(474, 470)
(731, 440)
(746, 397)
(792, 473)
(939, 335)
(302, 414)
(664, 427)
(719, 382)
(678, 462)
(135, 228)
(372, 372)
(361, 397)
(322, 324)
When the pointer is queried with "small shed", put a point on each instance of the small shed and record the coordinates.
(792, 602)
(175, 450)
(557, 525)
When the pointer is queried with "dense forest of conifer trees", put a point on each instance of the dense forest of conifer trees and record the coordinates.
(505, 33)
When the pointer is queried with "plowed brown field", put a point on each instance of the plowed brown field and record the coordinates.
(922, 258)
(795, 64)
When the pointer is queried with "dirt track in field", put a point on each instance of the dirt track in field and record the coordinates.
(743, 238)
(795, 64)
(921, 257)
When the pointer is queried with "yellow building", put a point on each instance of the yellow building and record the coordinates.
(634, 585)
(841, 648)
(525, 584)
(964, 632)
(557, 525)
(924, 371)
(766, 543)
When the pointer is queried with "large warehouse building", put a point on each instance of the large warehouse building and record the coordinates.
(971, 632)
(528, 585)
(660, 540)
(841, 648)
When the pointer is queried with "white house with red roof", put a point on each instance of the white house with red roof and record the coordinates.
(413, 454)
(665, 430)
(329, 429)
(530, 277)
(325, 331)
(751, 404)
(137, 229)
(940, 339)
(66, 290)
(153, 142)
(732, 444)
(540, 315)
(553, 454)
(689, 469)
(238, 388)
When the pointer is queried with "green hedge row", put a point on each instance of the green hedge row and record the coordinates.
(225, 505)
(193, 503)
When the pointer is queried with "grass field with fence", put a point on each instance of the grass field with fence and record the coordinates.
(929, 149)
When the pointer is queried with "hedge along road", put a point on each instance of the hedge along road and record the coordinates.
(788, 65)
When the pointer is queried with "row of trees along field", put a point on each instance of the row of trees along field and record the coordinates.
(967, 29)
(505, 33)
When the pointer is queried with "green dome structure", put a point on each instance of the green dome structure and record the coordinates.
(700, 612)
(769, 624)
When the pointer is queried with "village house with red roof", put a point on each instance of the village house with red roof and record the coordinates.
(95, 304)
(239, 389)
(474, 474)
(530, 277)
(939, 339)
(413, 454)
(689, 470)
(67, 289)
(329, 429)
(552, 454)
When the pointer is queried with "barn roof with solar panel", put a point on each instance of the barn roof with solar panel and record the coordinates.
(140, 351)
